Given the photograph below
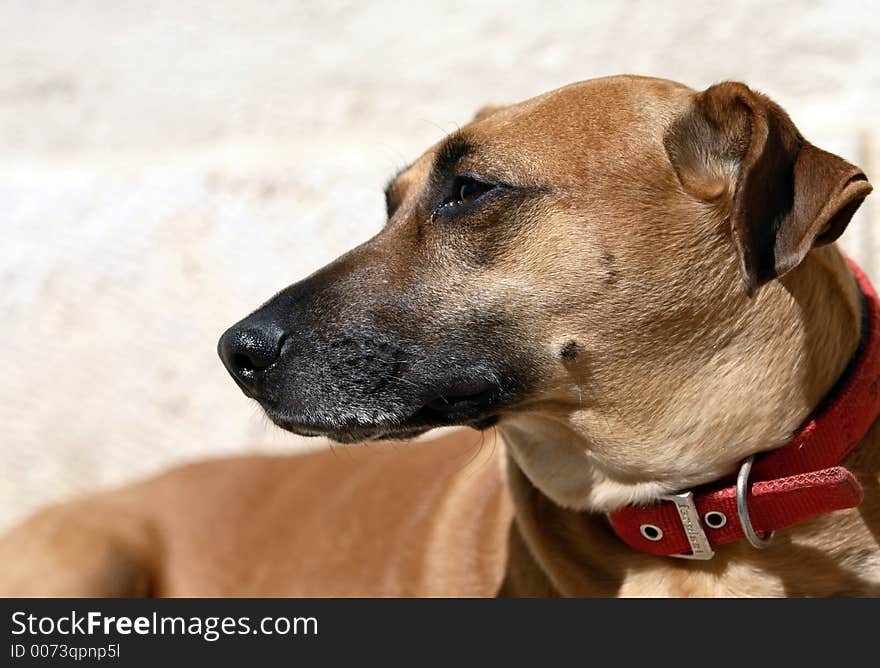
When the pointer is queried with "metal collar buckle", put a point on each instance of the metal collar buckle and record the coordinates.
(742, 507)
(701, 549)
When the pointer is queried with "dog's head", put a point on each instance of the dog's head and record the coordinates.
(535, 255)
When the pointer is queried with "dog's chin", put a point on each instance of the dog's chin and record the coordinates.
(392, 428)
(359, 434)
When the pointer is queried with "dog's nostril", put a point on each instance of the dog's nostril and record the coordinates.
(242, 362)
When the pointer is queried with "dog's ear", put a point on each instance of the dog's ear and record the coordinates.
(486, 111)
(740, 151)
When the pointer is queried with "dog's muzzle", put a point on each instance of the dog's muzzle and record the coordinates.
(356, 383)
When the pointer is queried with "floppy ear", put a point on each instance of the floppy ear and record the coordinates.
(486, 111)
(782, 195)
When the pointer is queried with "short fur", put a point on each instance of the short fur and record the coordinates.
(633, 280)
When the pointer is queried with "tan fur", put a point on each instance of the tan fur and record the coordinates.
(381, 520)
(680, 374)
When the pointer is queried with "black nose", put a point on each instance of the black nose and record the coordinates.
(249, 348)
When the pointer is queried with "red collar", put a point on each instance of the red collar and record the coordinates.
(788, 485)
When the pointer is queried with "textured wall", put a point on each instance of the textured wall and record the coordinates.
(166, 166)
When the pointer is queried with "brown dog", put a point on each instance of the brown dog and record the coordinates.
(623, 275)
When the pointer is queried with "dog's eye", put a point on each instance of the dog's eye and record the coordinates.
(466, 189)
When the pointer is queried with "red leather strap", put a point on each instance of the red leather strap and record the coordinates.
(793, 483)
(773, 504)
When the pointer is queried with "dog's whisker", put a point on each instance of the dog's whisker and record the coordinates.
(443, 131)
(494, 444)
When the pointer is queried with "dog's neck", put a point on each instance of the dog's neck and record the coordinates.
(696, 418)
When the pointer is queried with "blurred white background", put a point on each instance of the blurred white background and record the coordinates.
(166, 166)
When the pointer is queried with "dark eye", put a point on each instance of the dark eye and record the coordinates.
(465, 190)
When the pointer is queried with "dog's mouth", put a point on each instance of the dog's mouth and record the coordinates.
(472, 403)
(461, 400)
